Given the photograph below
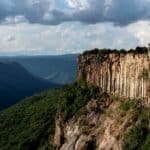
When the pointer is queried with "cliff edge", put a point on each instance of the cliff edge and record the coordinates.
(125, 73)
(118, 118)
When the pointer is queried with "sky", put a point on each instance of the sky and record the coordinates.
(52, 27)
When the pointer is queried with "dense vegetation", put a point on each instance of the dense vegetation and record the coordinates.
(28, 125)
(96, 51)
(138, 137)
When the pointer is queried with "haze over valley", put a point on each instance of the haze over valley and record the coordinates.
(24, 76)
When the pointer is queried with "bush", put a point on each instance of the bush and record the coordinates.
(146, 144)
(138, 137)
(74, 97)
(132, 104)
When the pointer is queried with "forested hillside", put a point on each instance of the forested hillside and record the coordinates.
(29, 124)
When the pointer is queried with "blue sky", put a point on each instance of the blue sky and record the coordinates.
(33, 27)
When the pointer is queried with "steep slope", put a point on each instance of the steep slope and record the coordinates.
(106, 123)
(30, 124)
(57, 69)
(16, 83)
(119, 118)
(86, 119)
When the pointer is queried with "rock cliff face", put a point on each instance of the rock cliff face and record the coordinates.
(110, 121)
(118, 72)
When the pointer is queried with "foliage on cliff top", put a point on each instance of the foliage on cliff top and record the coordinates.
(27, 125)
(96, 51)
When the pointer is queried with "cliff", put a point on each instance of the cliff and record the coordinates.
(117, 119)
(125, 73)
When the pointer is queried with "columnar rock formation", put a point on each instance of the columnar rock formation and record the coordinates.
(103, 123)
(125, 73)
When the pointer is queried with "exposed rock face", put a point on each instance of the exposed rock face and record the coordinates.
(100, 125)
(123, 73)
(58, 138)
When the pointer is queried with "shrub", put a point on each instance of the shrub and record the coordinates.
(138, 136)
(135, 137)
(74, 97)
(132, 104)
(144, 74)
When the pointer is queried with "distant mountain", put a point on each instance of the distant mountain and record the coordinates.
(16, 83)
(59, 69)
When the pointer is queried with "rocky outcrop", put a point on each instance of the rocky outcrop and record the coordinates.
(59, 134)
(124, 79)
(118, 72)
(100, 125)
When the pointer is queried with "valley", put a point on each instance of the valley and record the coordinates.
(23, 76)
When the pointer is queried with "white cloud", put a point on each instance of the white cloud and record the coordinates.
(121, 12)
(141, 31)
(24, 25)
(14, 20)
(67, 38)
(9, 38)
(107, 5)
(78, 4)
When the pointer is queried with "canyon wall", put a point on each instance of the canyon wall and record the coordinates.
(125, 73)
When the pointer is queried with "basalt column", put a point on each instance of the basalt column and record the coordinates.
(126, 73)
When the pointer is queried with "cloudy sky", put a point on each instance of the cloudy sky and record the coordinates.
(31, 27)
